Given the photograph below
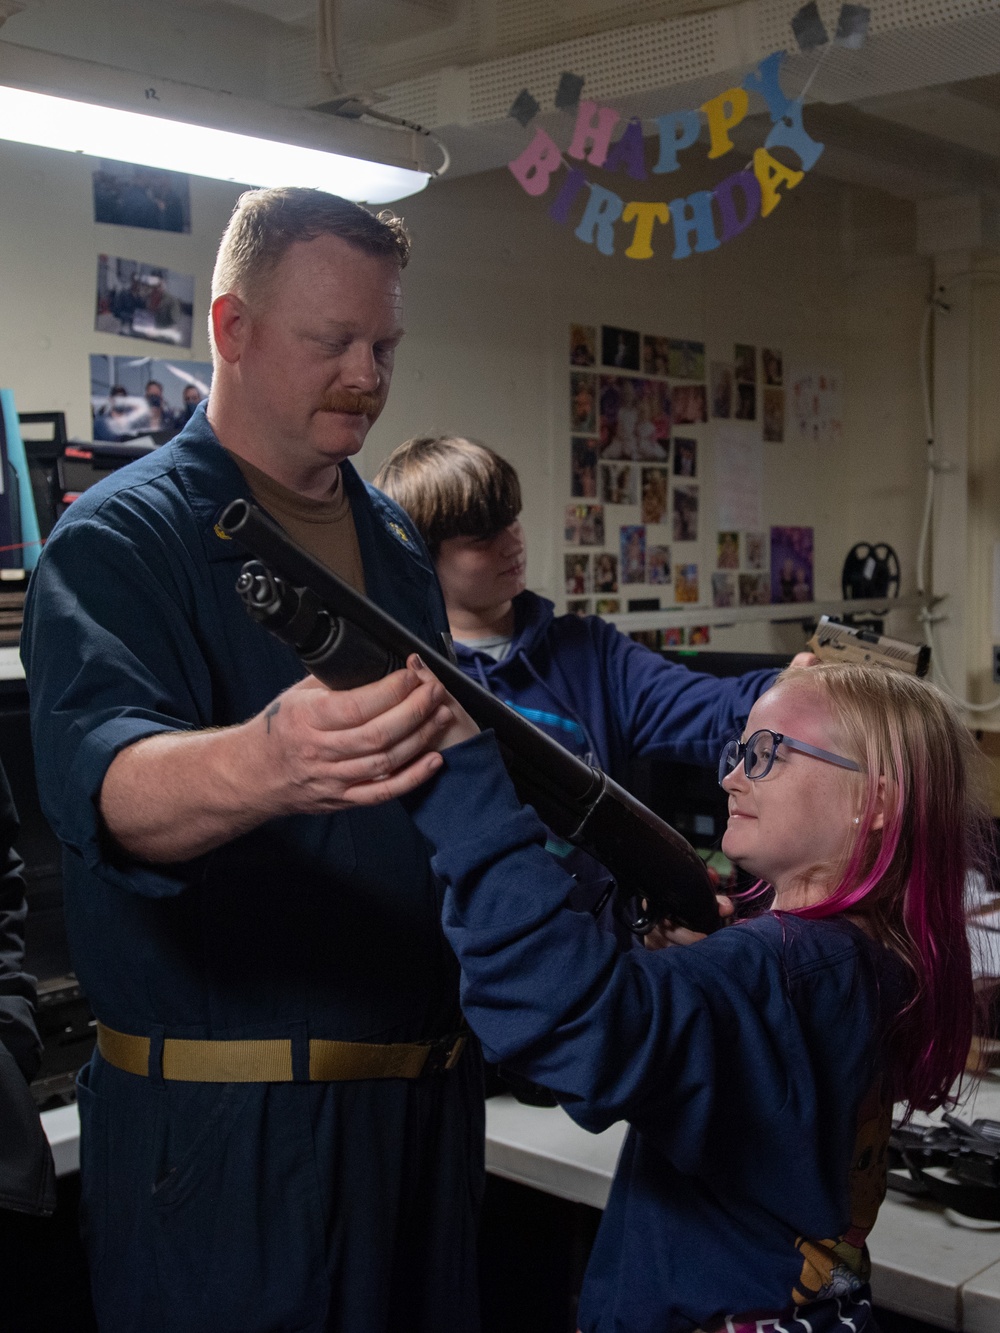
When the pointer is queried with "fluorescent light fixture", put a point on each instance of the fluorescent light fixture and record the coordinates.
(172, 141)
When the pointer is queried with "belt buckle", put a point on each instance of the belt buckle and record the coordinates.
(444, 1053)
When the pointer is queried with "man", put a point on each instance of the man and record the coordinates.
(192, 397)
(281, 1129)
(158, 415)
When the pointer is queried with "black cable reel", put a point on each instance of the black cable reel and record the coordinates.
(870, 570)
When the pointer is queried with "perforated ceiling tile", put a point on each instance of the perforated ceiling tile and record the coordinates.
(293, 71)
(449, 77)
(920, 57)
(416, 100)
(628, 60)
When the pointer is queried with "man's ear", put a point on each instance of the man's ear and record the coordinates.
(878, 818)
(230, 325)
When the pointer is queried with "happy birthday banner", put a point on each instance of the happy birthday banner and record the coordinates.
(701, 221)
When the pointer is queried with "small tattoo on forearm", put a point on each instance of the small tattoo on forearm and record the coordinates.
(272, 712)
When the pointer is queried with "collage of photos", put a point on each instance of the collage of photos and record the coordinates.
(733, 390)
(763, 568)
(636, 402)
(143, 397)
(628, 391)
(740, 576)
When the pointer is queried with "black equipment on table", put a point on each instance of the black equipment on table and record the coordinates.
(345, 640)
(967, 1155)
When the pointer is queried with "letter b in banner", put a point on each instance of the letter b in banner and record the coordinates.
(597, 226)
(533, 169)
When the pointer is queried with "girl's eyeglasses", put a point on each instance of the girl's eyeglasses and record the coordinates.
(758, 751)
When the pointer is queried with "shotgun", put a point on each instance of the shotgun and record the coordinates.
(345, 640)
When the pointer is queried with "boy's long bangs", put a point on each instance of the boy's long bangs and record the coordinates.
(452, 487)
(479, 495)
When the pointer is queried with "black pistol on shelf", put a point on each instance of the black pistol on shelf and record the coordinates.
(345, 640)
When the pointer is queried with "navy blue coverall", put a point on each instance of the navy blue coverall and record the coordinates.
(237, 1208)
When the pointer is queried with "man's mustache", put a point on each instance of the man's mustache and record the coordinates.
(358, 404)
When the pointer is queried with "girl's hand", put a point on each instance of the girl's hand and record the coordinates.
(666, 934)
(462, 727)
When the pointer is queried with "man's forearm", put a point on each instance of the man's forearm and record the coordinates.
(313, 750)
(179, 795)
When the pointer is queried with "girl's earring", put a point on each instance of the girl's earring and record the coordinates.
(857, 819)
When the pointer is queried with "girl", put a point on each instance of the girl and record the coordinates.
(757, 1067)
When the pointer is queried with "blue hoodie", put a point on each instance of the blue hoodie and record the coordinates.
(609, 699)
(749, 1065)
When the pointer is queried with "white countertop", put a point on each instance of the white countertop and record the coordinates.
(923, 1264)
(10, 664)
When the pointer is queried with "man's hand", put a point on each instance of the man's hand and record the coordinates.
(665, 934)
(330, 749)
(313, 750)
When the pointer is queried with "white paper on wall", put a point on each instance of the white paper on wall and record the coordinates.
(816, 406)
(738, 475)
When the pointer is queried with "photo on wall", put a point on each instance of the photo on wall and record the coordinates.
(724, 589)
(584, 525)
(727, 550)
(721, 388)
(746, 402)
(774, 416)
(686, 583)
(654, 494)
(755, 549)
(147, 301)
(745, 363)
(687, 360)
(655, 355)
(773, 370)
(672, 637)
(791, 564)
(605, 572)
(583, 469)
(126, 195)
(685, 513)
(583, 403)
(578, 606)
(634, 418)
(658, 568)
(688, 402)
(649, 638)
(143, 395)
(699, 636)
(582, 345)
(618, 484)
(685, 457)
(619, 348)
(576, 569)
(754, 590)
(632, 540)
(607, 606)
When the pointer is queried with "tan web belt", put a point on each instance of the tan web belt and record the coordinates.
(270, 1060)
